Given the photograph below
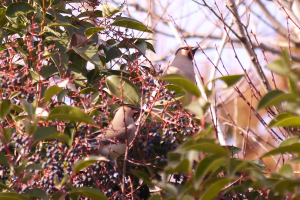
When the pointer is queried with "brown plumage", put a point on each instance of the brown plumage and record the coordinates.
(183, 65)
(113, 143)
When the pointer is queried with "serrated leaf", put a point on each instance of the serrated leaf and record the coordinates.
(229, 80)
(181, 81)
(109, 10)
(6, 106)
(89, 53)
(130, 92)
(88, 192)
(130, 23)
(51, 91)
(69, 113)
(83, 163)
(275, 97)
(89, 32)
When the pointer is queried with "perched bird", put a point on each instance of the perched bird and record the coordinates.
(183, 65)
(113, 143)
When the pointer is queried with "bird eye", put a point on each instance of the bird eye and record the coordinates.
(186, 48)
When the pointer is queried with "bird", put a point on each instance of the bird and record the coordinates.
(112, 143)
(183, 65)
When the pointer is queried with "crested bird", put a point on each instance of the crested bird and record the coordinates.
(183, 65)
(119, 134)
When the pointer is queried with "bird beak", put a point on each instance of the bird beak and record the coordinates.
(194, 49)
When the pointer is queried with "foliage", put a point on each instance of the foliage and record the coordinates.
(51, 102)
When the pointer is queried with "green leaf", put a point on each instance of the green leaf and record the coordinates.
(113, 53)
(33, 166)
(83, 163)
(89, 53)
(37, 193)
(198, 107)
(279, 67)
(155, 197)
(182, 167)
(130, 92)
(69, 113)
(289, 141)
(12, 196)
(130, 23)
(4, 160)
(6, 106)
(48, 71)
(88, 192)
(14, 94)
(273, 98)
(150, 46)
(7, 134)
(207, 165)
(51, 91)
(94, 93)
(109, 10)
(5, 187)
(29, 109)
(280, 117)
(215, 189)
(61, 62)
(89, 32)
(20, 8)
(142, 46)
(229, 80)
(285, 121)
(294, 148)
(181, 81)
(61, 95)
(232, 150)
(86, 14)
(45, 133)
(30, 127)
(66, 24)
(287, 171)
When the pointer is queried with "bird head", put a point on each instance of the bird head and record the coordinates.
(126, 112)
(186, 51)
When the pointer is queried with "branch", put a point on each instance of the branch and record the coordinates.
(247, 45)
